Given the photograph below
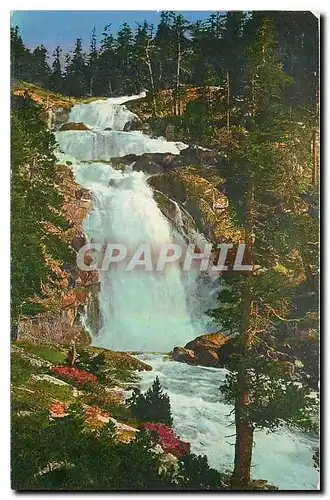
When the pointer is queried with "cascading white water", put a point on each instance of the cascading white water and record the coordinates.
(107, 113)
(149, 312)
(141, 310)
(200, 416)
(99, 144)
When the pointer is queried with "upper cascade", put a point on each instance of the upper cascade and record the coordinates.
(105, 113)
(95, 145)
(98, 144)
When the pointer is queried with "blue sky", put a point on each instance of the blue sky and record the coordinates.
(62, 27)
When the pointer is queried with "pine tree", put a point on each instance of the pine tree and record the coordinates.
(56, 77)
(106, 71)
(153, 406)
(144, 49)
(21, 57)
(40, 68)
(75, 72)
(35, 205)
(124, 59)
(92, 63)
(269, 180)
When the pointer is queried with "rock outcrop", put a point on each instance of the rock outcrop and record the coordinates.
(150, 163)
(74, 126)
(197, 190)
(206, 350)
(134, 124)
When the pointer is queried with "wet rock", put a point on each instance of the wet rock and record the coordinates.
(201, 199)
(73, 126)
(146, 129)
(206, 350)
(184, 355)
(61, 117)
(195, 155)
(107, 129)
(150, 163)
(78, 242)
(170, 132)
(134, 124)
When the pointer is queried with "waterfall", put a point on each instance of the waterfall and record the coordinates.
(141, 310)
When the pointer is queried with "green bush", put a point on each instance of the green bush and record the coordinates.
(153, 406)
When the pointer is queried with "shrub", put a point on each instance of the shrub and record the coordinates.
(196, 474)
(75, 376)
(168, 439)
(153, 406)
(92, 363)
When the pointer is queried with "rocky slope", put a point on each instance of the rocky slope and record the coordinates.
(35, 384)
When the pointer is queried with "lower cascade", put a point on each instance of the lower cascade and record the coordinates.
(141, 310)
(201, 417)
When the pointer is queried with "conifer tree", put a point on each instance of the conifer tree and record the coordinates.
(260, 383)
(75, 72)
(41, 71)
(56, 76)
(35, 206)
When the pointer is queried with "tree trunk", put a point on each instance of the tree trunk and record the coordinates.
(243, 447)
(315, 159)
(244, 427)
(315, 141)
(228, 103)
(178, 68)
(152, 82)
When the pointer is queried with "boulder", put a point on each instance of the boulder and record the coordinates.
(134, 124)
(78, 241)
(206, 350)
(170, 132)
(146, 129)
(184, 356)
(195, 155)
(74, 126)
(150, 163)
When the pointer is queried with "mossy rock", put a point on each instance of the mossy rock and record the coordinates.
(199, 196)
(46, 98)
(73, 126)
(120, 359)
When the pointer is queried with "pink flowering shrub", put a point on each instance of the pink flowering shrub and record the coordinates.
(74, 375)
(168, 440)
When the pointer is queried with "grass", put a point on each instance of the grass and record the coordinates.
(45, 352)
(52, 390)
(21, 369)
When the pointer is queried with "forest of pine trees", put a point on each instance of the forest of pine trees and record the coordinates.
(173, 53)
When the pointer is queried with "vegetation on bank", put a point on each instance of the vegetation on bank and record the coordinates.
(75, 436)
(36, 217)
